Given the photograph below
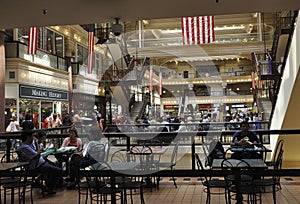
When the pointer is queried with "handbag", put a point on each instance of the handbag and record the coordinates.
(9, 127)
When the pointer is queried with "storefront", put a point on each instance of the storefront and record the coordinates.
(39, 102)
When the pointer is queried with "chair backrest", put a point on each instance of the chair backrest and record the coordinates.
(29, 169)
(174, 153)
(229, 164)
(278, 162)
(33, 163)
(215, 151)
(277, 150)
(200, 167)
(277, 167)
(246, 172)
(122, 155)
(97, 150)
(143, 155)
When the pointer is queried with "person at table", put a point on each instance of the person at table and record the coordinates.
(41, 141)
(244, 137)
(27, 151)
(72, 140)
(28, 124)
(84, 159)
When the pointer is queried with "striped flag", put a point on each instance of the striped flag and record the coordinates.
(197, 30)
(91, 48)
(253, 80)
(151, 79)
(33, 33)
(160, 84)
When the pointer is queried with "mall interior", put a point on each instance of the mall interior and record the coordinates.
(138, 68)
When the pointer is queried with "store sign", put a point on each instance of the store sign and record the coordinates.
(50, 94)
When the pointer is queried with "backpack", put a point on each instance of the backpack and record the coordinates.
(215, 151)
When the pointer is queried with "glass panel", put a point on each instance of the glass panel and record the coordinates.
(31, 107)
(59, 41)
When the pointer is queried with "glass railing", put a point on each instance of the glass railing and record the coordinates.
(177, 41)
(82, 70)
(19, 50)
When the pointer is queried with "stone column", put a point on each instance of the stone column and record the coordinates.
(2, 81)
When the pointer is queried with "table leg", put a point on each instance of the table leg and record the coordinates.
(239, 196)
(113, 189)
(8, 146)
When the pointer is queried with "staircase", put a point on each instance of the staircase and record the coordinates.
(135, 110)
(266, 108)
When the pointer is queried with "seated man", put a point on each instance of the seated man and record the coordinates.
(27, 151)
(244, 138)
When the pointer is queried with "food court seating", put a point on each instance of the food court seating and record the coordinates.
(128, 183)
(24, 180)
(240, 181)
(277, 150)
(274, 180)
(170, 164)
(211, 183)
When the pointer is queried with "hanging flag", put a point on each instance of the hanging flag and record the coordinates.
(160, 84)
(253, 80)
(151, 79)
(91, 48)
(32, 40)
(197, 30)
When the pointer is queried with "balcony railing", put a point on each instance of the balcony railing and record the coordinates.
(177, 41)
(19, 50)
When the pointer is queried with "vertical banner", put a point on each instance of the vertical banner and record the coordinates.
(160, 84)
(32, 40)
(91, 48)
(197, 30)
(151, 79)
(253, 80)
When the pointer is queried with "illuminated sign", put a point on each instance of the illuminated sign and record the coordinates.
(41, 93)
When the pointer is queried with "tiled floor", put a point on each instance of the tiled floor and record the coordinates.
(189, 191)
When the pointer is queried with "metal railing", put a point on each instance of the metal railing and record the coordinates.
(19, 50)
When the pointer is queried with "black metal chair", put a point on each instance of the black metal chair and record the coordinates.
(100, 189)
(96, 153)
(277, 150)
(240, 181)
(24, 180)
(273, 181)
(128, 183)
(170, 164)
(211, 183)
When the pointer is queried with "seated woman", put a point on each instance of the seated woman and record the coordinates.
(93, 152)
(27, 151)
(72, 140)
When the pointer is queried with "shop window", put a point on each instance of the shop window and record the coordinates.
(12, 75)
(48, 40)
(82, 59)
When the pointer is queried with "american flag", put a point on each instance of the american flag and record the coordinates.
(91, 47)
(160, 84)
(253, 80)
(151, 79)
(32, 40)
(197, 30)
